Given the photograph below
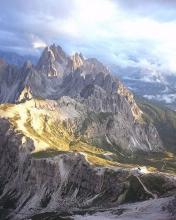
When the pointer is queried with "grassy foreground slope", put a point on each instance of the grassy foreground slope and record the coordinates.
(43, 122)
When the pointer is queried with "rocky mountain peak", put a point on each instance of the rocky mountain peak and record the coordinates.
(94, 66)
(46, 57)
(53, 61)
(59, 54)
(92, 86)
(72, 138)
(52, 53)
(78, 61)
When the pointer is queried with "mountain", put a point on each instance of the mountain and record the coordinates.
(69, 133)
(12, 79)
(52, 186)
(100, 102)
(16, 59)
(163, 118)
(151, 84)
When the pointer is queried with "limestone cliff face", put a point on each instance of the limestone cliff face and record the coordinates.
(62, 183)
(123, 91)
(77, 61)
(54, 62)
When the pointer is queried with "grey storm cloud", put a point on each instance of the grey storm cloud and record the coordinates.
(112, 30)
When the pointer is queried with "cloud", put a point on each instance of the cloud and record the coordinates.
(37, 42)
(115, 31)
(162, 10)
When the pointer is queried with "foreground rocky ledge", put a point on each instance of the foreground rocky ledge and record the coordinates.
(67, 183)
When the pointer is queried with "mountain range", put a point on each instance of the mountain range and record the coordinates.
(15, 58)
(72, 139)
(154, 85)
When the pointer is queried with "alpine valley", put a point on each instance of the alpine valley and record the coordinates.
(76, 144)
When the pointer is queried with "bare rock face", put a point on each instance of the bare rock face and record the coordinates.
(62, 184)
(77, 61)
(11, 83)
(113, 118)
(25, 95)
(30, 186)
(90, 84)
(54, 62)
(123, 91)
(151, 209)
(77, 107)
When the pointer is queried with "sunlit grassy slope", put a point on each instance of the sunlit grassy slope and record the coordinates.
(43, 122)
(163, 162)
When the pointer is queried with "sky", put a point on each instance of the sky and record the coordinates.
(120, 32)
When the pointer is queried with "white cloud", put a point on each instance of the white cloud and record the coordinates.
(112, 30)
(37, 42)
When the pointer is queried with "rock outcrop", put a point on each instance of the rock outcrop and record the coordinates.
(91, 85)
(65, 183)
(63, 125)
(12, 81)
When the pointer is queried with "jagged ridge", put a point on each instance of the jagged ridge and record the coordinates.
(91, 87)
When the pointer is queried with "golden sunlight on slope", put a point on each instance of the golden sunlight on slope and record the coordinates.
(137, 113)
(43, 122)
(31, 121)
